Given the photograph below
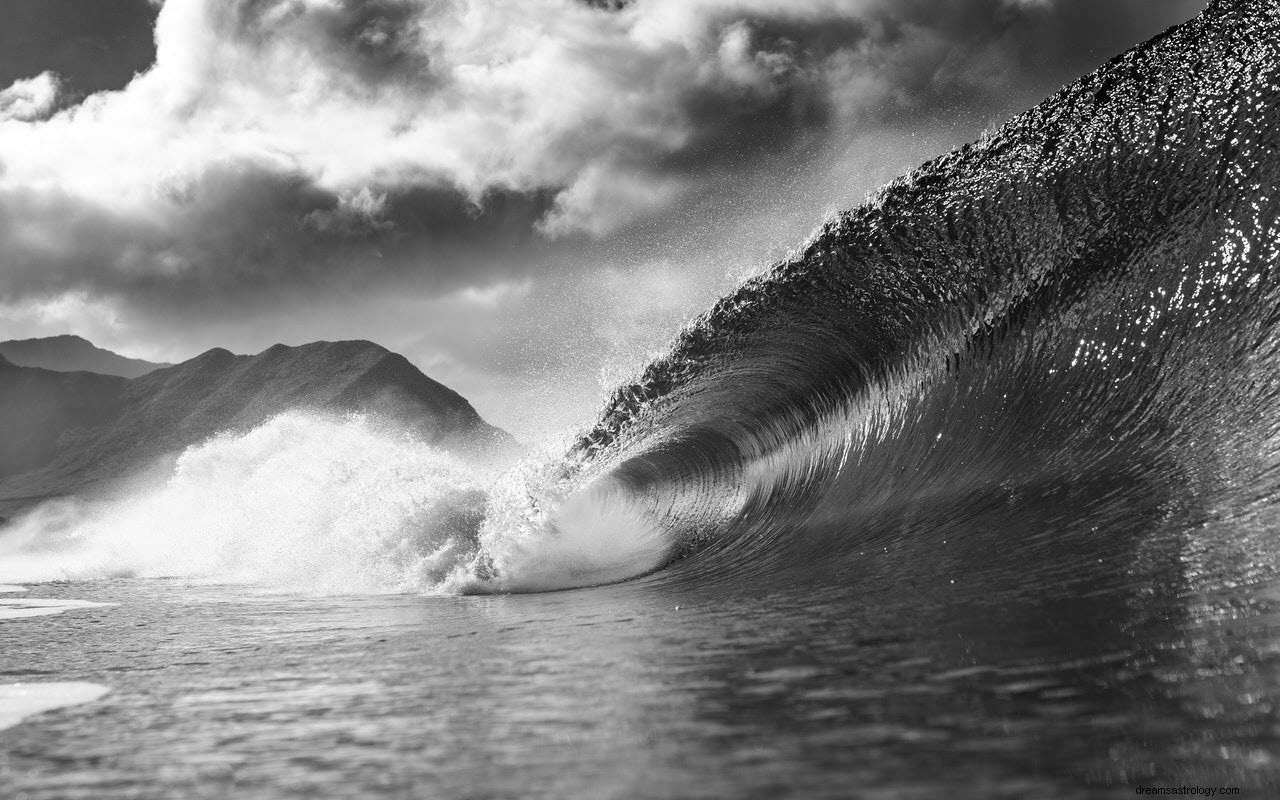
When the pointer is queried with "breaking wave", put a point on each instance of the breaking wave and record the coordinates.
(302, 502)
(1062, 335)
(320, 504)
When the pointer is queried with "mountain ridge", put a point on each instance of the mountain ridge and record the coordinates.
(72, 432)
(70, 353)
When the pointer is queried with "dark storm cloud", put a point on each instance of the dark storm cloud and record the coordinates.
(1074, 38)
(378, 40)
(735, 123)
(775, 78)
(618, 115)
(608, 5)
(93, 44)
(245, 234)
(284, 156)
(1045, 42)
(931, 58)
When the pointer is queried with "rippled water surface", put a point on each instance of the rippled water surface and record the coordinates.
(879, 683)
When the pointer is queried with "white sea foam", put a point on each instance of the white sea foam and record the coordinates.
(32, 607)
(544, 532)
(314, 504)
(301, 503)
(11, 589)
(18, 701)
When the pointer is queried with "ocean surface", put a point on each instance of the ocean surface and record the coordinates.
(976, 495)
(891, 685)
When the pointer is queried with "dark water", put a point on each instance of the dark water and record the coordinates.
(976, 496)
(887, 685)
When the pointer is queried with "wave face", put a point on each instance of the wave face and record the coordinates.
(1067, 329)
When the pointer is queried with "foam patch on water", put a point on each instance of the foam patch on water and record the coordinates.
(323, 505)
(11, 589)
(32, 607)
(19, 701)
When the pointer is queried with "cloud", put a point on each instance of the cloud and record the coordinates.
(30, 99)
(615, 111)
(283, 156)
(92, 46)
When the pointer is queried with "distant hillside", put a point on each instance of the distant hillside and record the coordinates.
(73, 354)
(38, 406)
(69, 432)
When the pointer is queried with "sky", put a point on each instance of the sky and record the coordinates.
(527, 198)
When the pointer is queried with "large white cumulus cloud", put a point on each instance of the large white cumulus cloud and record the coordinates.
(280, 157)
(29, 99)
(476, 95)
(272, 136)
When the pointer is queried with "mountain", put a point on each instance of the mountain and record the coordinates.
(38, 405)
(73, 354)
(70, 432)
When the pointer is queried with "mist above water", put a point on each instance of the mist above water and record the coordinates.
(320, 504)
(302, 503)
